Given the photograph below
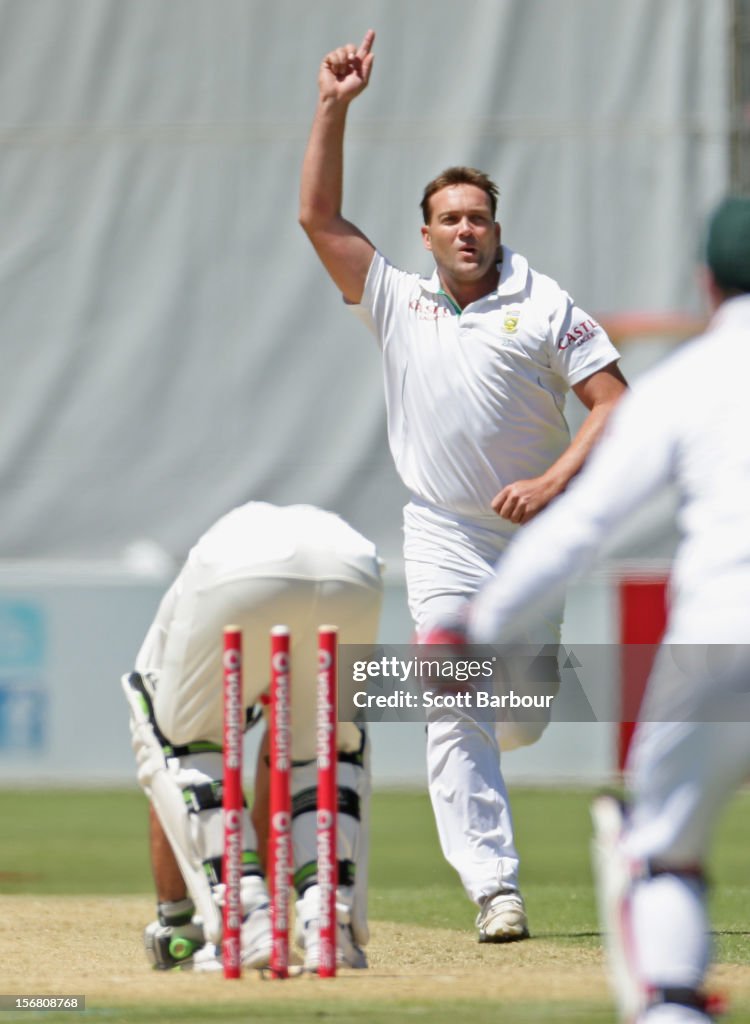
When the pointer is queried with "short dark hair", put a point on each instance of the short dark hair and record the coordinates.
(459, 176)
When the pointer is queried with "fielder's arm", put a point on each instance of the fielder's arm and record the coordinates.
(522, 500)
(629, 465)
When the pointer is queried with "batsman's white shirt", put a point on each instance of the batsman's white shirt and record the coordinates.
(259, 566)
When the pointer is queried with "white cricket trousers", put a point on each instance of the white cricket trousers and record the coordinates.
(690, 753)
(446, 560)
(258, 567)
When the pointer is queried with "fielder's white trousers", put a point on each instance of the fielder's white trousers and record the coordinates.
(257, 567)
(446, 560)
(690, 753)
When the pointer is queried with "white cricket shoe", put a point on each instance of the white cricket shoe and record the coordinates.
(307, 933)
(207, 959)
(503, 918)
(255, 932)
(255, 939)
(669, 1013)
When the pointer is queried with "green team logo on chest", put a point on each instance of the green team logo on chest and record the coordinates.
(510, 321)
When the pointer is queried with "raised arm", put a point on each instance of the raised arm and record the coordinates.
(344, 251)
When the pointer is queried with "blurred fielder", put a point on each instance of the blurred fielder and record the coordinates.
(476, 361)
(257, 567)
(692, 747)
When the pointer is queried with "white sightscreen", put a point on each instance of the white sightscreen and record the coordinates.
(170, 346)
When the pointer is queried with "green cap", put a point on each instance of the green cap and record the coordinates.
(728, 244)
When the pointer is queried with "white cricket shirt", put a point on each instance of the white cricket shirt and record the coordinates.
(257, 535)
(684, 423)
(475, 397)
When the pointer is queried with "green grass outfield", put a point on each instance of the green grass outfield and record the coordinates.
(94, 843)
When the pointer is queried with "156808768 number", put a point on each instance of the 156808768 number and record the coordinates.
(42, 1002)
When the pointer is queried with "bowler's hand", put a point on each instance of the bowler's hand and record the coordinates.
(520, 501)
(449, 635)
(345, 71)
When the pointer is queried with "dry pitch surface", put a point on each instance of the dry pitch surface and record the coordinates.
(92, 946)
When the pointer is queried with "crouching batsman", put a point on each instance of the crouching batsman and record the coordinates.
(257, 567)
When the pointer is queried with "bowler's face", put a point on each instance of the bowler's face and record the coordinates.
(462, 235)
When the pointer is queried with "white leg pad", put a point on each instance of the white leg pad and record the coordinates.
(195, 835)
(352, 840)
(167, 800)
(614, 877)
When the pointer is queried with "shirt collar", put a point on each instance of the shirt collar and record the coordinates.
(514, 270)
(734, 312)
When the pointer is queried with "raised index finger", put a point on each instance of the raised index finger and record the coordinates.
(366, 45)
